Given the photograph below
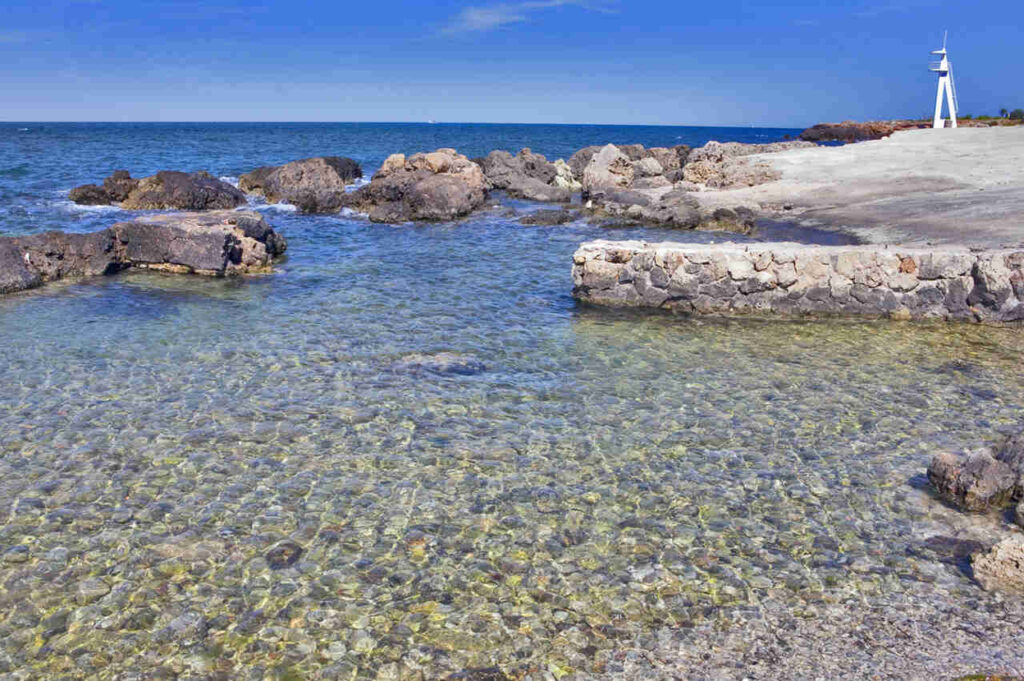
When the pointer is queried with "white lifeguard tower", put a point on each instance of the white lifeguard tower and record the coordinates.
(946, 86)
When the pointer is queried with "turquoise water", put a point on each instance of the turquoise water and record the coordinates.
(409, 452)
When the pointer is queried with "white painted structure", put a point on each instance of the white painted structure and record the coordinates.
(947, 87)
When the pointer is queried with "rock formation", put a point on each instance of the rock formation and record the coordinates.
(1002, 567)
(725, 166)
(441, 185)
(527, 175)
(983, 479)
(218, 243)
(167, 190)
(313, 185)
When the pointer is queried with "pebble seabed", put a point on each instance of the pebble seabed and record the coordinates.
(377, 465)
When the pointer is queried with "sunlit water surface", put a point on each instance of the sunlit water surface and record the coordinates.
(409, 449)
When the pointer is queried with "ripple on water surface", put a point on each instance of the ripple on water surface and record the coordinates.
(410, 447)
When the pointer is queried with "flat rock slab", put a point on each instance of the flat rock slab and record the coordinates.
(215, 243)
(797, 280)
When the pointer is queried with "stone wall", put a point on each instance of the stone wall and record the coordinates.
(215, 243)
(795, 279)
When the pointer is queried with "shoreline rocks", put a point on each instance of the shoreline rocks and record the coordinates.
(854, 131)
(167, 190)
(216, 243)
(528, 176)
(313, 185)
(800, 280)
(437, 186)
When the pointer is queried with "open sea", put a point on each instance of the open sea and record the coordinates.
(409, 453)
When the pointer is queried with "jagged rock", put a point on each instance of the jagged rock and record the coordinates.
(975, 481)
(253, 181)
(673, 209)
(120, 185)
(579, 161)
(90, 195)
(442, 185)
(850, 131)
(170, 189)
(212, 243)
(1002, 567)
(549, 218)
(526, 175)
(647, 167)
(565, 177)
(313, 185)
(722, 166)
(609, 168)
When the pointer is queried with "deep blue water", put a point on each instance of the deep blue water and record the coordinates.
(585, 483)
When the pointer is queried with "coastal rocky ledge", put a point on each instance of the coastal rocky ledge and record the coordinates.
(215, 243)
(313, 185)
(800, 280)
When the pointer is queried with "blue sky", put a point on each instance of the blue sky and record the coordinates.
(731, 62)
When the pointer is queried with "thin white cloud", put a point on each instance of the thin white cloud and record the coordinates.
(486, 18)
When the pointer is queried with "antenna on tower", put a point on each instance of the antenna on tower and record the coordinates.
(946, 86)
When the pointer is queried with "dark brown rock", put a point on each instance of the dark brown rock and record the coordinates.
(213, 243)
(90, 195)
(526, 175)
(119, 185)
(313, 185)
(975, 481)
(550, 218)
(170, 189)
(253, 181)
(441, 185)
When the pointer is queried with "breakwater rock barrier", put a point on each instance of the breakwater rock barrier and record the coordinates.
(799, 280)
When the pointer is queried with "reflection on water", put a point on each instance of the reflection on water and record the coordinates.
(223, 475)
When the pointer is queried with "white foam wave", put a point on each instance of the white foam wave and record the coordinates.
(71, 206)
(233, 181)
(283, 207)
(22, 129)
(360, 182)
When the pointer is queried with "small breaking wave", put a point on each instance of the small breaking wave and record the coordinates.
(233, 181)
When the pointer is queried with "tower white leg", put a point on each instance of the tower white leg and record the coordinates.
(939, 122)
(950, 102)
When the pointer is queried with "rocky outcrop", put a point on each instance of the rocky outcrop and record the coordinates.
(526, 175)
(981, 480)
(974, 480)
(550, 218)
(442, 185)
(313, 185)
(610, 168)
(795, 280)
(851, 131)
(218, 243)
(167, 190)
(725, 166)
(675, 209)
(1002, 567)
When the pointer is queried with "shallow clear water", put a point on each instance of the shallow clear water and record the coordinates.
(472, 469)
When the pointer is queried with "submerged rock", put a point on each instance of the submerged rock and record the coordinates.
(549, 218)
(313, 185)
(283, 554)
(214, 243)
(443, 363)
(1002, 567)
(441, 185)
